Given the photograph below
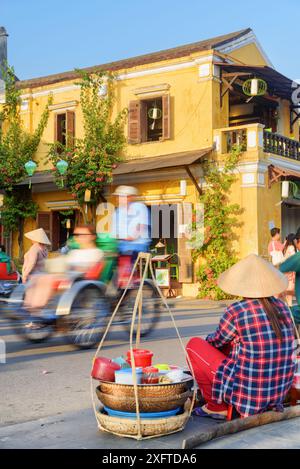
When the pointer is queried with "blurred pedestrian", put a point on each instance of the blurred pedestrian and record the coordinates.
(34, 259)
(289, 249)
(275, 247)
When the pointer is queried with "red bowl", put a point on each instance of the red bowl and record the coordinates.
(104, 369)
(142, 357)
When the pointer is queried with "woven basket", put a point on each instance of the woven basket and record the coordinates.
(149, 427)
(146, 404)
(146, 390)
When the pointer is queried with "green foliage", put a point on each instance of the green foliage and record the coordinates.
(18, 206)
(91, 158)
(17, 147)
(214, 252)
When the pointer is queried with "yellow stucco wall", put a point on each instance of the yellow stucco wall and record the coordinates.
(195, 113)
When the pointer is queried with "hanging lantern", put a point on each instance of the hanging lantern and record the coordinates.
(255, 87)
(154, 113)
(285, 189)
(62, 167)
(30, 168)
(87, 195)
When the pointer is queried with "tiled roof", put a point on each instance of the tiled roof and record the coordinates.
(159, 56)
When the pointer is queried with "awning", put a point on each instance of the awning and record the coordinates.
(157, 162)
(278, 84)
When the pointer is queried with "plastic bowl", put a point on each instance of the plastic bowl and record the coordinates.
(142, 357)
(144, 415)
(104, 369)
(125, 376)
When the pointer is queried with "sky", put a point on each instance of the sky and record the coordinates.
(53, 36)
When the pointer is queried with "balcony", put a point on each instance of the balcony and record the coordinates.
(281, 146)
(253, 137)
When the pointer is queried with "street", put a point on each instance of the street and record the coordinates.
(52, 378)
(46, 400)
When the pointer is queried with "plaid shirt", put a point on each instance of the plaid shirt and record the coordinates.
(259, 370)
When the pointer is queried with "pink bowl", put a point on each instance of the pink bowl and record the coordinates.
(104, 369)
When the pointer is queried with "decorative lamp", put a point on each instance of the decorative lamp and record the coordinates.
(87, 195)
(154, 113)
(68, 223)
(62, 167)
(30, 168)
(285, 189)
(255, 87)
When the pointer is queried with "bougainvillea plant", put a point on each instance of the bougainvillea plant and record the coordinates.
(215, 252)
(17, 147)
(92, 158)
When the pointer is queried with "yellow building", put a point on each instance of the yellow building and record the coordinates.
(198, 89)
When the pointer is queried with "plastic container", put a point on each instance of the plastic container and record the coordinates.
(150, 375)
(176, 376)
(124, 376)
(104, 369)
(145, 415)
(142, 357)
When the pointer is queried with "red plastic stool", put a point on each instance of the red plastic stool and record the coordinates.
(229, 412)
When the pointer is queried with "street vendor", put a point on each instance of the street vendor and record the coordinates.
(248, 362)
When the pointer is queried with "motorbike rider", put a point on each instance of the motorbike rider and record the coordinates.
(130, 227)
(80, 260)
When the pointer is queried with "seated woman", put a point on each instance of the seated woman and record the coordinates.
(80, 260)
(258, 371)
(8, 269)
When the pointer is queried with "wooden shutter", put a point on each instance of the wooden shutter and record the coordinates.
(166, 124)
(55, 230)
(134, 122)
(70, 127)
(44, 221)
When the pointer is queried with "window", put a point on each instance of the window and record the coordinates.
(149, 120)
(65, 128)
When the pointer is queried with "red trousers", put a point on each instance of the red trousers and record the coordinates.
(205, 360)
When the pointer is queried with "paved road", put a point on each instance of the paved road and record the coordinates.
(53, 409)
(53, 378)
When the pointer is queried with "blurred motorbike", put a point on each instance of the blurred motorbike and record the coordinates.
(82, 304)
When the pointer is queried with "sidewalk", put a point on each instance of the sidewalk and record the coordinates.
(78, 430)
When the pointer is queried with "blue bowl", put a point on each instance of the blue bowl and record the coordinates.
(143, 415)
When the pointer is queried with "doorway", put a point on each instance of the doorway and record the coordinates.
(63, 222)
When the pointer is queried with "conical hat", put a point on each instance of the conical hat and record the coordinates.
(38, 235)
(253, 277)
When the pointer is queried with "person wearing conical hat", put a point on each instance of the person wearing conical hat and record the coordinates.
(34, 259)
(257, 371)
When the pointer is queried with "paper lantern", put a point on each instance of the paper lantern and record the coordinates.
(30, 168)
(285, 189)
(255, 87)
(62, 167)
(87, 195)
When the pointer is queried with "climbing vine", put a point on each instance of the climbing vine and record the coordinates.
(92, 158)
(17, 147)
(214, 252)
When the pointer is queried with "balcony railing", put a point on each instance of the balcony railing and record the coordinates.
(280, 145)
(253, 137)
